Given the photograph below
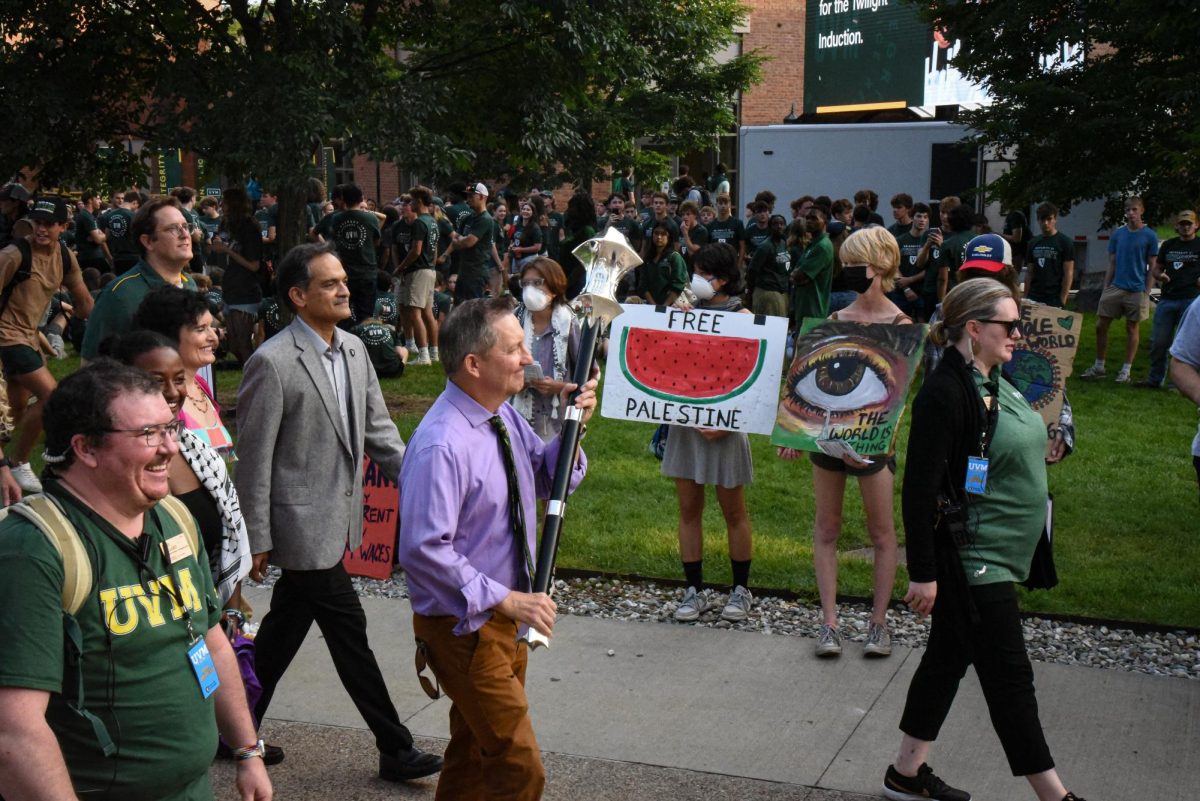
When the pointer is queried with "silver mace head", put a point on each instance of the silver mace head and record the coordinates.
(607, 259)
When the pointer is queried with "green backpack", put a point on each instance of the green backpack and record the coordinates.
(47, 514)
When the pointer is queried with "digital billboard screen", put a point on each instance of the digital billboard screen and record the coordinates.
(863, 55)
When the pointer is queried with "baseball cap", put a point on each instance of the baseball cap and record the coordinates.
(1186, 216)
(49, 209)
(480, 189)
(14, 191)
(990, 252)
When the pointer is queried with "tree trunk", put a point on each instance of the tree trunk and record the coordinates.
(293, 217)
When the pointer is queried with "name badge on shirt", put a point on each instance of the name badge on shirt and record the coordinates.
(977, 471)
(177, 548)
(202, 665)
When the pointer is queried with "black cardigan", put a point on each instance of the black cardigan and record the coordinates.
(948, 416)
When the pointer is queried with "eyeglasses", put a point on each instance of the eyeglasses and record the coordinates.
(155, 435)
(178, 230)
(538, 282)
(1011, 326)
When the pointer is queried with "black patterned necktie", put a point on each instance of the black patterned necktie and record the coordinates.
(516, 511)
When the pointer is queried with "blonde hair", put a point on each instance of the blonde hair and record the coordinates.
(875, 247)
(970, 300)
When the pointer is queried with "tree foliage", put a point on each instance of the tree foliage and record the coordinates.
(533, 89)
(1123, 117)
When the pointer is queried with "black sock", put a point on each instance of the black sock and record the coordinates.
(741, 572)
(693, 572)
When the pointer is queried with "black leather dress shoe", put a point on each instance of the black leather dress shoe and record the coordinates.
(405, 765)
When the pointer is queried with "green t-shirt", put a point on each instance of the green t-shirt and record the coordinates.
(457, 214)
(472, 263)
(381, 348)
(754, 236)
(400, 236)
(910, 248)
(116, 228)
(442, 301)
(387, 308)
(272, 316)
(730, 231)
(85, 248)
(444, 230)
(424, 229)
(950, 257)
(354, 233)
(815, 261)
(668, 274)
(770, 266)
(118, 302)
(1008, 519)
(267, 219)
(699, 236)
(151, 703)
(1181, 262)
(1047, 255)
(631, 228)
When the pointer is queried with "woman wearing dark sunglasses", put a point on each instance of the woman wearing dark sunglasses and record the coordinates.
(974, 503)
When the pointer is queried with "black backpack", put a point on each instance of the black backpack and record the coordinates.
(26, 269)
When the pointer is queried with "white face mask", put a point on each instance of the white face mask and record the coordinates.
(703, 289)
(534, 298)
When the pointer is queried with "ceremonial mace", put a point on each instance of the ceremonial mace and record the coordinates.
(607, 259)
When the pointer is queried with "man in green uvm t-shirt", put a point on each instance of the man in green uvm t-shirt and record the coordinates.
(157, 669)
(473, 242)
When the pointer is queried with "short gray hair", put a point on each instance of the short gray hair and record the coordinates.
(469, 329)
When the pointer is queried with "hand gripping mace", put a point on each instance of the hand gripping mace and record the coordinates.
(607, 259)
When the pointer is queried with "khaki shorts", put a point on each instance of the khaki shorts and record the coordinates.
(416, 289)
(772, 304)
(1116, 302)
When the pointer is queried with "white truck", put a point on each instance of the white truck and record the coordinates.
(923, 159)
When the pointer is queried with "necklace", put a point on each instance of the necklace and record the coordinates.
(201, 403)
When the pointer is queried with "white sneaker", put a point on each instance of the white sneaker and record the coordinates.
(419, 359)
(1123, 377)
(737, 608)
(694, 605)
(879, 640)
(829, 641)
(25, 478)
(1095, 371)
(433, 354)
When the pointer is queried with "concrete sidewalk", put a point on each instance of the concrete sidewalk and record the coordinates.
(682, 712)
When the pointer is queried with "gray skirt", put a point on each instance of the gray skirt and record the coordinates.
(725, 462)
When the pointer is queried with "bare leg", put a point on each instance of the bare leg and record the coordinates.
(1102, 324)
(1047, 785)
(431, 327)
(1133, 335)
(691, 513)
(877, 501)
(413, 322)
(41, 384)
(737, 521)
(829, 487)
(913, 754)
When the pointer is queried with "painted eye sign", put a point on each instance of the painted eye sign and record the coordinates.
(848, 381)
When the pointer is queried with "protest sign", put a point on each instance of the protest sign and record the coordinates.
(1044, 357)
(381, 516)
(697, 368)
(848, 382)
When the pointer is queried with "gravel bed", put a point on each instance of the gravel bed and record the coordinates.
(1174, 653)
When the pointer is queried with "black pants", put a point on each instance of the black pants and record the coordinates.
(362, 299)
(328, 597)
(996, 646)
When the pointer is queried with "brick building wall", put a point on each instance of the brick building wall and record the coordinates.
(777, 29)
(385, 188)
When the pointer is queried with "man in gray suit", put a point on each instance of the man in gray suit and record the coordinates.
(308, 407)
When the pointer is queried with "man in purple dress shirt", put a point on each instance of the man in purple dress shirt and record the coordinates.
(468, 574)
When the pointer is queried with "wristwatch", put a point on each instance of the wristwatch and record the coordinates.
(256, 751)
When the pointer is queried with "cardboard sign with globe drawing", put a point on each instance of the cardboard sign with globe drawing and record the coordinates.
(697, 368)
(847, 385)
(1044, 357)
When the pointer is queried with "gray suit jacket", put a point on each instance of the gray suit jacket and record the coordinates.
(298, 476)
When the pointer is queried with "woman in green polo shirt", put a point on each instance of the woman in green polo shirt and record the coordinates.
(974, 503)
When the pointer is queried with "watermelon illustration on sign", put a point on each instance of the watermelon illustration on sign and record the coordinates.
(690, 368)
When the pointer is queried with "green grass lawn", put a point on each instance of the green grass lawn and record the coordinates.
(1128, 537)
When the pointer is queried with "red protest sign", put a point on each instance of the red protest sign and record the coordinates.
(381, 515)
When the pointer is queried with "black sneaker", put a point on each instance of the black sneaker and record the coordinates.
(925, 785)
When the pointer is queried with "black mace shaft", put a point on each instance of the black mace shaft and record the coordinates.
(571, 431)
